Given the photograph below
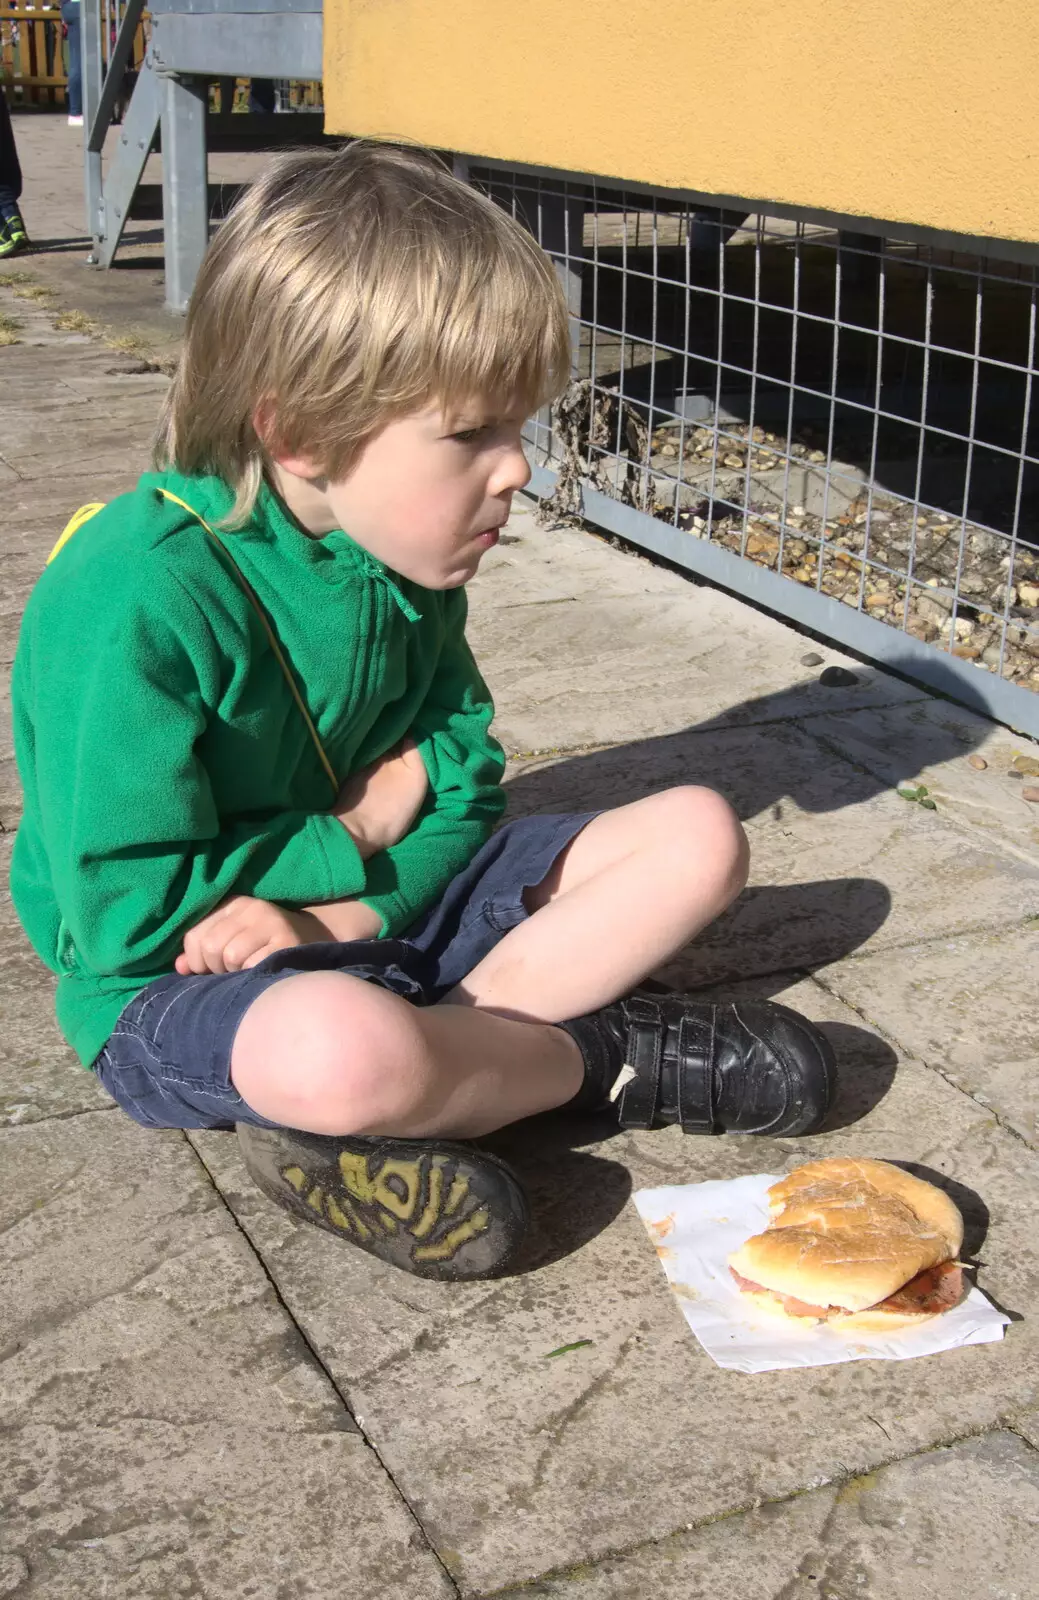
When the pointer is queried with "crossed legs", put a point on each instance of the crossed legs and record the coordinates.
(329, 1053)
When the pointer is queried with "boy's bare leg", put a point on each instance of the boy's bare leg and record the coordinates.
(329, 1053)
(634, 887)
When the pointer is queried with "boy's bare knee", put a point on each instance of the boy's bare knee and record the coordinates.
(700, 824)
(330, 1053)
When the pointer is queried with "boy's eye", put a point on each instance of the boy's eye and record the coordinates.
(468, 435)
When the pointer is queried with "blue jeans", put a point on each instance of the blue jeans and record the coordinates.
(70, 17)
(10, 171)
(168, 1061)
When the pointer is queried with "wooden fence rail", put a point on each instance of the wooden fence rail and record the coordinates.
(32, 55)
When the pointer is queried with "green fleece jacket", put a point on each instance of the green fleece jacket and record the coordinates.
(166, 764)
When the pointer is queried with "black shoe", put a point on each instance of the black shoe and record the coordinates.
(434, 1207)
(748, 1067)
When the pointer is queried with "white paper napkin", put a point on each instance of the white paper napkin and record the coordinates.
(697, 1226)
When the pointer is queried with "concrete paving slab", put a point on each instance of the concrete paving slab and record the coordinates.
(839, 862)
(39, 1075)
(87, 451)
(632, 1437)
(389, 1312)
(127, 421)
(888, 1103)
(167, 1431)
(880, 1537)
(10, 795)
(36, 512)
(589, 651)
(966, 1006)
(9, 626)
(637, 1434)
(904, 743)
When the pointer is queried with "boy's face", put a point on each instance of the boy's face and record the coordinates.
(428, 494)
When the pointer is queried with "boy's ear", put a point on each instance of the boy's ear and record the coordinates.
(265, 424)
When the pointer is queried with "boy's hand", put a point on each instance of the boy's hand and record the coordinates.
(242, 932)
(378, 805)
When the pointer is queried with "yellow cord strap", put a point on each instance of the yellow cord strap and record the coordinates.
(86, 512)
(253, 600)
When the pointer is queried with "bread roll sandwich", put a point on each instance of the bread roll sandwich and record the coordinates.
(858, 1244)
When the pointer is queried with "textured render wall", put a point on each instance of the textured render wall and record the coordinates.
(908, 110)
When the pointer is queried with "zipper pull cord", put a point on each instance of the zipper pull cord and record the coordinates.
(373, 568)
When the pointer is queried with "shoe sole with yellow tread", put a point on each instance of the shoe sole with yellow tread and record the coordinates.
(436, 1208)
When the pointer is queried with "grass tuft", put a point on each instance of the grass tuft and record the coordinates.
(76, 322)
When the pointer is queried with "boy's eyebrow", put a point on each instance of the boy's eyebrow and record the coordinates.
(462, 421)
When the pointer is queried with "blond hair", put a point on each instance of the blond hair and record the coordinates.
(348, 287)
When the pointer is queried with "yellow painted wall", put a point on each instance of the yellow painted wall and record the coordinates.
(923, 111)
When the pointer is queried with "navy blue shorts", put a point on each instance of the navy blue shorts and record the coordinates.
(168, 1061)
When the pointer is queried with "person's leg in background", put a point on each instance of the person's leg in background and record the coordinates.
(70, 14)
(13, 237)
(261, 97)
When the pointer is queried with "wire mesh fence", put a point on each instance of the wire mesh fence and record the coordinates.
(850, 412)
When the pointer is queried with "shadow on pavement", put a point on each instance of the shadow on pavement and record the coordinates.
(573, 1195)
(866, 1067)
(619, 773)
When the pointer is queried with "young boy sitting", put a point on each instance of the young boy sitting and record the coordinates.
(260, 789)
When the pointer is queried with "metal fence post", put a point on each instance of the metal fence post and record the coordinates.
(185, 195)
(93, 73)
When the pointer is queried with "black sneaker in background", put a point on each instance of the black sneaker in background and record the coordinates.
(13, 237)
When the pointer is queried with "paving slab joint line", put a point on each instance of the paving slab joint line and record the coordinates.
(839, 1481)
(315, 1355)
(924, 941)
(993, 841)
(1012, 1427)
(61, 1116)
(990, 1111)
(793, 719)
(566, 750)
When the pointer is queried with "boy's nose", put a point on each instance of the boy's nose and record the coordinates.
(512, 472)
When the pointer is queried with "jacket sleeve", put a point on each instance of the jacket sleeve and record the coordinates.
(137, 851)
(465, 766)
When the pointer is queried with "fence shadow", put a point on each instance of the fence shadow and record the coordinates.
(763, 766)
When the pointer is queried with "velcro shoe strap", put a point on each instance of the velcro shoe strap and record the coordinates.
(641, 1095)
(694, 1071)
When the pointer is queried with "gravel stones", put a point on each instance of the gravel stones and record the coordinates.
(939, 578)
